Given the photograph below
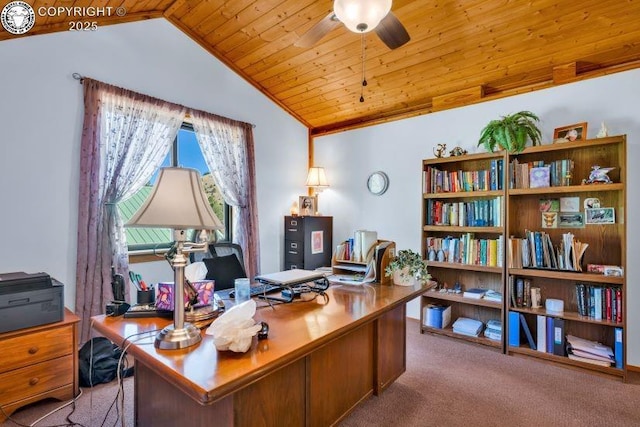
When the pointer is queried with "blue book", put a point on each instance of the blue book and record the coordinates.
(514, 329)
(527, 332)
(550, 335)
(617, 350)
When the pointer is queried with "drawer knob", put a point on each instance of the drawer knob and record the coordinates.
(33, 350)
(34, 381)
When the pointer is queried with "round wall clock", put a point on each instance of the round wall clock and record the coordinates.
(377, 183)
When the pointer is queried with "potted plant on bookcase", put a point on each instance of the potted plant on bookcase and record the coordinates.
(407, 268)
(511, 132)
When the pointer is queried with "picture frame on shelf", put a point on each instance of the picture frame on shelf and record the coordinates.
(570, 220)
(600, 216)
(308, 205)
(575, 132)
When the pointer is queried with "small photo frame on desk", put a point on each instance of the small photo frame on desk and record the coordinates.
(308, 205)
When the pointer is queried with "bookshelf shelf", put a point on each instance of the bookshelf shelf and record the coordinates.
(567, 275)
(494, 176)
(459, 298)
(526, 351)
(449, 333)
(567, 315)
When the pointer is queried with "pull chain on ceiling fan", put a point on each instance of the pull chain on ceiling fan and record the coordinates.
(364, 79)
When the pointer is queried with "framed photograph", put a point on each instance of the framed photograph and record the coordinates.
(549, 219)
(575, 132)
(600, 216)
(307, 205)
(317, 242)
(570, 220)
(569, 204)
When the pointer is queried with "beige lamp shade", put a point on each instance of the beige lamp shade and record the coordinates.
(177, 201)
(316, 178)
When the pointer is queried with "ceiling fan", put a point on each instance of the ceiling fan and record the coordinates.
(359, 16)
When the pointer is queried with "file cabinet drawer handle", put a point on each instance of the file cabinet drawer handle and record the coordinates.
(293, 252)
(292, 230)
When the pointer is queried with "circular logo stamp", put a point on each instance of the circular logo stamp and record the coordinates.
(17, 17)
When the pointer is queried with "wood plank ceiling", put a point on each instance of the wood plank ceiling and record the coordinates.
(461, 52)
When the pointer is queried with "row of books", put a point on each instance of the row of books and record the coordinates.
(599, 302)
(466, 249)
(441, 181)
(358, 247)
(537, 174)
(477, 213)
(535, 250)
(523, 294)
(551, 337)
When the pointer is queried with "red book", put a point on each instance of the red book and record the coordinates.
(607, 303)
(619, 305)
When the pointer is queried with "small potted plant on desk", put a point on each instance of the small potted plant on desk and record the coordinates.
(407, 268)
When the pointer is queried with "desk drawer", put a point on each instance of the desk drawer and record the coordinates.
(293, 251)
(29, 349)
(33, 380)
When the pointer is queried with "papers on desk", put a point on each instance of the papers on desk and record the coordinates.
(362, 274)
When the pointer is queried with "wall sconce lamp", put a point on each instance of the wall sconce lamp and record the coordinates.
(178, 201)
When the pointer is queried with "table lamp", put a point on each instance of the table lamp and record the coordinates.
(317, 180)
(178, 201)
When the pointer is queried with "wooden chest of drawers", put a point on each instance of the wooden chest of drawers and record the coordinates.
(308, 242)
(38, 363)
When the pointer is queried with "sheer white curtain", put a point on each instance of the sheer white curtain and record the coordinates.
(126, 136)
(227, 146)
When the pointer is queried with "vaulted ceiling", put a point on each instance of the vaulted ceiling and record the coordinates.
(460, 52)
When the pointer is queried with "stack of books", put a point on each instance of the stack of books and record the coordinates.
(466, 326)
(589, 351)
(491, 295)
(493, 330)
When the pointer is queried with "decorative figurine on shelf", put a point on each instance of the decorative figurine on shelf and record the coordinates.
(598, 175)
(603, 132)
(440, 150)
(457, 151)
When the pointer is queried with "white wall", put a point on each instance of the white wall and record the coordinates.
(399, 147)
(41, 112)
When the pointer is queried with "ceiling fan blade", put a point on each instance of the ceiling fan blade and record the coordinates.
(318, 31)
(392, 32)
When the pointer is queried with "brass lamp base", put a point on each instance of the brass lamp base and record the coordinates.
(171, 338)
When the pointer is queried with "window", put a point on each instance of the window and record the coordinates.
(184, 153)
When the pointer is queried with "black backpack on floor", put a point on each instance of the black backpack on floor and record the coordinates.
(103, 366)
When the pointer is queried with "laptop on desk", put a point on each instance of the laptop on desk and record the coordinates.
(290, 277)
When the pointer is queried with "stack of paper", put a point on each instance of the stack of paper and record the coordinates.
(589, 351)
(466, 326)
(475, 293)
(491, 295)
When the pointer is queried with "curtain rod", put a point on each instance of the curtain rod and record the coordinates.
(80, 79)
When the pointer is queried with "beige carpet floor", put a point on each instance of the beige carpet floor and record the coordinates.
(447, 383)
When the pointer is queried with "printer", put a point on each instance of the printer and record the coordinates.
(28, 300)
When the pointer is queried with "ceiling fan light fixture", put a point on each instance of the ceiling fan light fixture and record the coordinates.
(361, 16)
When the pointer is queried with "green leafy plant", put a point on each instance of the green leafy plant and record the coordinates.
(511, 132)
(416, 267)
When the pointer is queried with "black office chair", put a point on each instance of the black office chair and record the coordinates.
(224, 263)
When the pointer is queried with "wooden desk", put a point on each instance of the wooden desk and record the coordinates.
(319, 362)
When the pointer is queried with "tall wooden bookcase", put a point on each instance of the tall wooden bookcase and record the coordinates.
(522, 216)
(462, 211)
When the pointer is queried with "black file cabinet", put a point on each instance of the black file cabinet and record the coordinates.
(308, 242)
